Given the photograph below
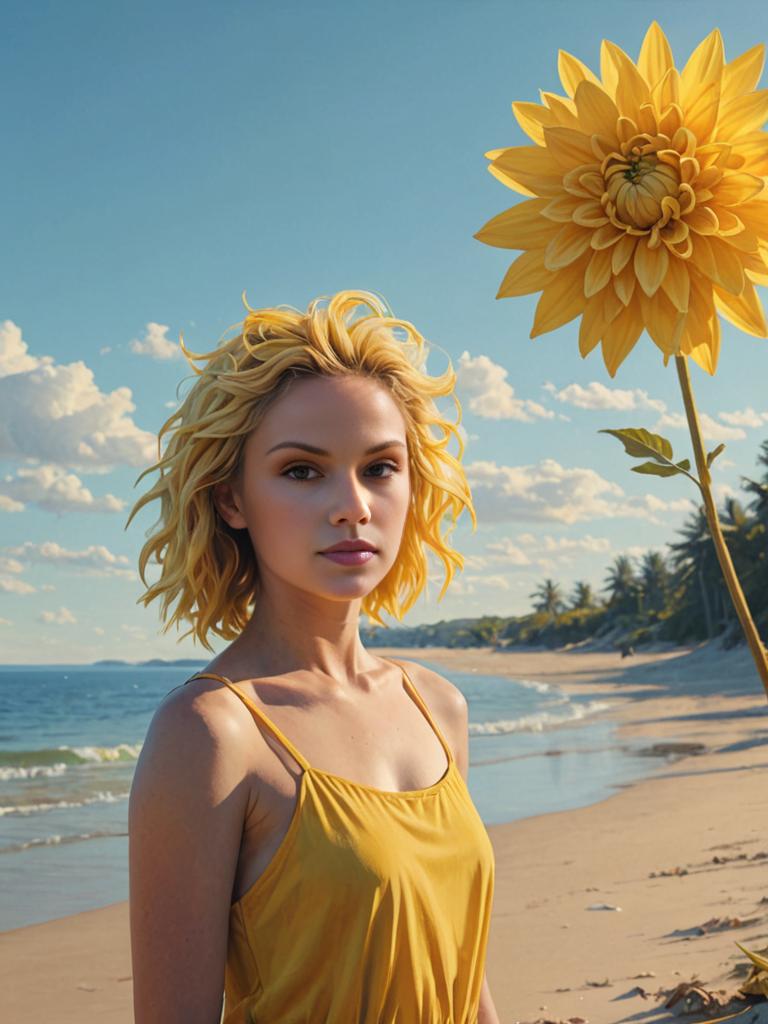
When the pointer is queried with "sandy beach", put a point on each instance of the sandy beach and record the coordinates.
(596, 909)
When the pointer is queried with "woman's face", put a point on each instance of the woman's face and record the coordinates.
(328, 463)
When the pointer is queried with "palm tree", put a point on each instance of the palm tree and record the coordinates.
(583, 597)
(701, 590)
(622, 586)
(548, 597)
(654, 581)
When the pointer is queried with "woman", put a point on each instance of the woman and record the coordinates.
(288, 840)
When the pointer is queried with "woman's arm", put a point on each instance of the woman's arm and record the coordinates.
(187, 805)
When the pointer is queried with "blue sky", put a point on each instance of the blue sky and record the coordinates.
(160, 159)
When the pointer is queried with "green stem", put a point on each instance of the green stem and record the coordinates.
(710, 508)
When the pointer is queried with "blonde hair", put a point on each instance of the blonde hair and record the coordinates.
(208, 569)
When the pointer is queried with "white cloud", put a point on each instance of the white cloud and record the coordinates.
(62, 617)
(5, 622)
(506, 551)
(47, 587)
(744, 417)
(99, 631)
(554, 493)
(95, 560)
(593, 545)
(10, 565)
(10, 585)
(156, 343)
(55, 490)
(104, 349)
(490, 396)
(10, 504)
(711, 430)
(55, 413)
(597, 396)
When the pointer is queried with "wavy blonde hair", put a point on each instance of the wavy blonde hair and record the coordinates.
(208, 569)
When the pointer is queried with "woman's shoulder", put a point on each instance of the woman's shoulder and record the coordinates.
(442, 696)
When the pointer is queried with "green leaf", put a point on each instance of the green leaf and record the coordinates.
(711, 456)
(656, 470)
(643, 444)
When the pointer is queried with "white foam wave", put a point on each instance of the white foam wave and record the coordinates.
(34, 771)
(538, 722)
(54, 805)
(122, 752)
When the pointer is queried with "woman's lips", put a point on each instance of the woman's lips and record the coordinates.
(349, 557)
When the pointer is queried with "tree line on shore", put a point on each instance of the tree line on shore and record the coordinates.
(677, 596)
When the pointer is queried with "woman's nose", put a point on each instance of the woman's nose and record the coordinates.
(351, 503)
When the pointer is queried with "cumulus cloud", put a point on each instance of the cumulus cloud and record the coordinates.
(711, 430)
(5, 622)
(53, 489)
(55, 413)
(490, 396)
(555, 493)
(156, 343)
(597, 396)
(95, 560)
(744, 417)
(11, 585)
(62, 617)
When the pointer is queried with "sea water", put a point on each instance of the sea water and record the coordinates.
(70, 736)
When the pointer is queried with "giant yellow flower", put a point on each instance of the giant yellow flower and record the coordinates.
(650, 206)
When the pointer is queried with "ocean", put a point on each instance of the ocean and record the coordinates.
(70, 736)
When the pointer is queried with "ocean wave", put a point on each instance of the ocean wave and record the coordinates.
(51, 761)
(57, 840)
(535, 684)
(539, 721)
(105, 797)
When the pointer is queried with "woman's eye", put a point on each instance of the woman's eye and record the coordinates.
(302, 470)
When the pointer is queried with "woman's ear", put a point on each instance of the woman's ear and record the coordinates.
(227, 503)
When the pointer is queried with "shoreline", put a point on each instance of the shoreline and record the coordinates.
(678, 849)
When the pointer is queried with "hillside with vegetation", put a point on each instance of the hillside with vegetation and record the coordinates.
(676, 595)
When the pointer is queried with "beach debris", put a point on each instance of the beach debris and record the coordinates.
(756, 983)
(600, 984)
(691, 997)
(644, 974)
(667, 749)
(668, 872)
(551, 1020)
(719, 924)
(602, 906)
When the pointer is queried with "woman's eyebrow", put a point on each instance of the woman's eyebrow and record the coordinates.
(321, 451)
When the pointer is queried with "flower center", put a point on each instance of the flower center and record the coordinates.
(636, 184)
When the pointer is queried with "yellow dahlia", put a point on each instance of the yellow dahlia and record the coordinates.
(650, 206)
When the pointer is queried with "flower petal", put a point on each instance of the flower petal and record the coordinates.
(677, 284)
(705, 65)
(753, 149)
(567, 245)
(597, 112)
(620, 336)
(707, 353)
(745, 310)
(663, 322)
(528, 169)
(572, 72)
(624, 284)
(743, 73)
(702, 220)
(622, 253)
(561, 301)
(570, 148)
(598, 272)
(631, 90)
(733, 189)
(521, 227)
(532, 118)
(563, 108)
(650, 266)
(755, 216)
(561, 208)
(702, 110)
(719, 262)
(592, 325)
(527, 274)
(655, 58)
(742, 115)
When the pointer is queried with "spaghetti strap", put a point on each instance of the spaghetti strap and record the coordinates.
(254, 709)
(419, 700)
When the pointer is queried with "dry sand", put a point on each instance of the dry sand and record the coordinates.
(550, 957)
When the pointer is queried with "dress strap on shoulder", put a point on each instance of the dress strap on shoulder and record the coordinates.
(260, 715)
(419, 700)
